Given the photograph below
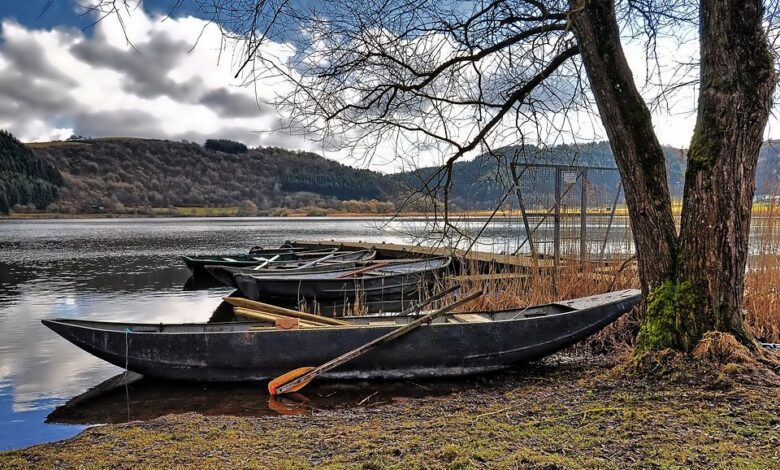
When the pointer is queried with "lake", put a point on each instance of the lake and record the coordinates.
(131, 270)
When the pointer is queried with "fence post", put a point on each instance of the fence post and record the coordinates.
(583, 218)
(556, 231)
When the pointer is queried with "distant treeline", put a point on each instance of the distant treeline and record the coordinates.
(24, 179)
(333, 179)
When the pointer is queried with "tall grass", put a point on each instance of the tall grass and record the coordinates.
(507, 288)
(762, 283)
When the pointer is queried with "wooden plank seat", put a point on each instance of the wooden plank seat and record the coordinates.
(471, 318)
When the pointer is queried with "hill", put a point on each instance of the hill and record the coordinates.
(478, 183)
(121, 173)
(25, 179)
(137, 175)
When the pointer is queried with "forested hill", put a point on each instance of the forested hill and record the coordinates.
(478, 185)
(117, 174)
(131, 175)
(24, 179)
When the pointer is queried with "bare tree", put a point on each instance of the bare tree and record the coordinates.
(458, 77)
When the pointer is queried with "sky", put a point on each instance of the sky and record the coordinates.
(58, 78)
(61, 75)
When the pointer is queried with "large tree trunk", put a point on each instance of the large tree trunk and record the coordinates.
(638, 154)
(695, 281)
(737, 80)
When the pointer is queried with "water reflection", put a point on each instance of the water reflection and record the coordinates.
(194, 283)
(112, 270)
(130, 270)
(121, 399)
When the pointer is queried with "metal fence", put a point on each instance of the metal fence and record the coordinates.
(572, 212)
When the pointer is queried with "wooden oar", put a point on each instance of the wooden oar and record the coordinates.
(427, 301)
(317, 261)
(265, 262)
(297, 379)
(255, 305)
(363, 270)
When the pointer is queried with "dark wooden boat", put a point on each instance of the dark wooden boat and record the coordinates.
(197, 264)
(391, 280)
(454, 344)
(337, 261)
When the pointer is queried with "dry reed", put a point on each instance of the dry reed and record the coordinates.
(519, 288)
(762, 282)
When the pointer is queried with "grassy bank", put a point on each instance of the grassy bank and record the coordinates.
(550, 416)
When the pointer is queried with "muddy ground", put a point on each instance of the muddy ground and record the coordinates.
(580, 413)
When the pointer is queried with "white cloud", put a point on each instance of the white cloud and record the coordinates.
(177, 81)
(54, 83)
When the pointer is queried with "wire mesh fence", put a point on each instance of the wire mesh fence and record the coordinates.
(576, 212)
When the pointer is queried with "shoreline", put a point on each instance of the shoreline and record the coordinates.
(290, 215)
(575, 413)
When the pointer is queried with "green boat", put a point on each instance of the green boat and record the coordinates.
(336, 261)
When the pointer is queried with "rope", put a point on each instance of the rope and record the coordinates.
(127, 350)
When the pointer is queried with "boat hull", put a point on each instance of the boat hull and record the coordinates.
(218, 352)
(392, 286)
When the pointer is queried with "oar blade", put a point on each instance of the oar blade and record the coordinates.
(273, 386)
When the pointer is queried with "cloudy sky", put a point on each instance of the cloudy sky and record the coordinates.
(59, 77)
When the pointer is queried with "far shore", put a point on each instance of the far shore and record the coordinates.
(226, 212)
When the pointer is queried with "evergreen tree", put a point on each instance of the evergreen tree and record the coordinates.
(24, 178)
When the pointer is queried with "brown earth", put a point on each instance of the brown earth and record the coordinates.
(577, 413)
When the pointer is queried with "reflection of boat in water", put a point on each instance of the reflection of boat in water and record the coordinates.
(454, 344)
(200, 283)
(120, 399)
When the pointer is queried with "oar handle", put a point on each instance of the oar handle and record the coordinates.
(265, 262)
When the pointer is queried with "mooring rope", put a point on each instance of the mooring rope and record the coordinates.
(127, 350)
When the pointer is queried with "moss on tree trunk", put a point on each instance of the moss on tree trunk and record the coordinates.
(670, 318)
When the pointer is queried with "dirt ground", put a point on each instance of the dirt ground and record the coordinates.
(580, 413)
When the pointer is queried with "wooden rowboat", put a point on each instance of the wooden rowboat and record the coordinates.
(386, 280)
(338, 261)
(197, 264)
(454, 344)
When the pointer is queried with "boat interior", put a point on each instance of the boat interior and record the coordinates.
(359, 321)
(394, 267)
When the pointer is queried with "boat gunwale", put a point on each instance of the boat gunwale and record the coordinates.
(74, 323)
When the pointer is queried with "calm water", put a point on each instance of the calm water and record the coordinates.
(128, 270)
